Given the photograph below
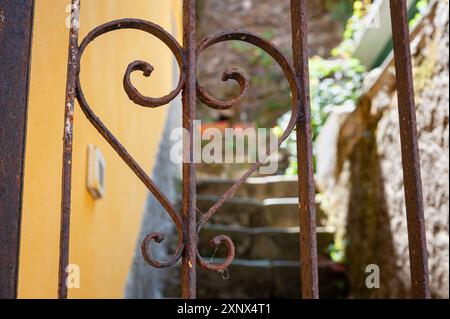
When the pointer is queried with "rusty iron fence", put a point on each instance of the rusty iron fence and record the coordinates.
(16, 23)
(296, 72)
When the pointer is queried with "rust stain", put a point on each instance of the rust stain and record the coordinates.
(2, 19)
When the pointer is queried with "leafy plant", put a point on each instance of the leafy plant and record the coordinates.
(353, 29)
(335, 83)
(421, 7)
(337, 252)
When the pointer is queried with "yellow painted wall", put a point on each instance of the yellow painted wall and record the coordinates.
(103, 232)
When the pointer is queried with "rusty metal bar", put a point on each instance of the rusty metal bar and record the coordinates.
(410, 151)
(307, 209)
(189, 178)
(16, 24)
(72, 68)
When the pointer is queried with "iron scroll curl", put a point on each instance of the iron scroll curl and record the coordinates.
(141, 100)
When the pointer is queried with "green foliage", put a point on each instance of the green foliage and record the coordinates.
(340, 10)
(256, 55)
(421, 7)
(268, 77)
(334, 83)
(337, 254)
(355, 25)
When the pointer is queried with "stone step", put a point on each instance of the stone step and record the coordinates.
(276, 212)
(255, 187)
(266, 279)
(271, 243)
(263, 279)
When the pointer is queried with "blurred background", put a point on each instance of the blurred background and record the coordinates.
(359, 183)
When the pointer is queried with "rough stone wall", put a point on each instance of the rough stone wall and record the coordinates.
(268, 97)
(262, 16)
(365, 194)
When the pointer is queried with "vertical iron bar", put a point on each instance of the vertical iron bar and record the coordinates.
(16, 25)
(307, 206)
(67, 149)
(189, 178)
(410, 151)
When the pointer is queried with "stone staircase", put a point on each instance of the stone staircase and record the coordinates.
(262, 221)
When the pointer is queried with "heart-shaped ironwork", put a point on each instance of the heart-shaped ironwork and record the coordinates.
(205, 97)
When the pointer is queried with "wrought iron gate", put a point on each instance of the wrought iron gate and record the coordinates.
(296, 72)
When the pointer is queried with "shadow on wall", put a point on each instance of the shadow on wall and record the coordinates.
(368, 232)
